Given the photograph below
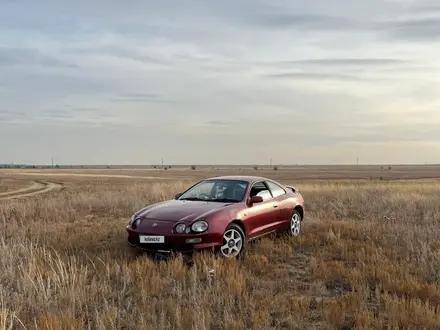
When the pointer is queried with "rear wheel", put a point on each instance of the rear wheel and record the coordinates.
(294, 224)
(233, 242)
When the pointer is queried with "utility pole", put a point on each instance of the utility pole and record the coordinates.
(52, 162)
(162, 162)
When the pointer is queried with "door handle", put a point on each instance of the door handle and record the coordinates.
(275, 206)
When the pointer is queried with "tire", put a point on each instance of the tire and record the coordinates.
(295, 223)
(233, 242)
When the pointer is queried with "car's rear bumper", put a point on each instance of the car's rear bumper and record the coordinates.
(174, 243)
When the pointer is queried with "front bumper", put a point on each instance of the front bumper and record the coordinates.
(174, 243)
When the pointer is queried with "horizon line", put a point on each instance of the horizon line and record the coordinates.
(213, 164)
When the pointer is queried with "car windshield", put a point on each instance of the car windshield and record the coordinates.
(217, 191)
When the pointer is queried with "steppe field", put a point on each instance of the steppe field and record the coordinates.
(368, 256)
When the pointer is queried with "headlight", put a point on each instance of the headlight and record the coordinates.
(135, 223)
(180, 228)
(199, 226)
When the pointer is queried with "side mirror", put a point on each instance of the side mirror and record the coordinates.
(178, 195)
(255, 199)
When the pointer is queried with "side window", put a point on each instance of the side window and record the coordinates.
(260, 189)
(275, 189)
(265, 194)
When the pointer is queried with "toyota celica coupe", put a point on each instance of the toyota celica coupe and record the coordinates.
(219, 214)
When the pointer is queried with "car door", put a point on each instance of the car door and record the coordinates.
(261, 217)
(284, 212)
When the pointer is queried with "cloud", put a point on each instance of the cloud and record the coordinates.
(313, 76)
(141, 98)
(420, 30)
(22, 56)
(229, 81)
(343, 62)
(279, 20)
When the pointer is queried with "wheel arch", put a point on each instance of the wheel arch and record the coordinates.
(240, 224)
(300, 210)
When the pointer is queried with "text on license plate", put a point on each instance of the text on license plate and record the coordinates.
(151, 239)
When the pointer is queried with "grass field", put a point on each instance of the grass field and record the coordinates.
(8, 184)
(368, 256)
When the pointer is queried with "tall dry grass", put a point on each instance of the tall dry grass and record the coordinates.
(368, 257)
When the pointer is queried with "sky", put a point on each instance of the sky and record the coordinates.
(219, 82)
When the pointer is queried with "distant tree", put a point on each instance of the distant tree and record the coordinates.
(256, 168)
(389, 167)
(275, 168)
(193, 167)
(57, 166)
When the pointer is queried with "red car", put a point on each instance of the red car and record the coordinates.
(220, 214)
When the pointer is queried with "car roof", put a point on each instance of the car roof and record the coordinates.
(247, 178)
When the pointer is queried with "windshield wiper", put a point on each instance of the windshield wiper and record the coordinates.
(224, 200)
(192, 199)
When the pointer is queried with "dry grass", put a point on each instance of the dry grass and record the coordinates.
(8, 184)
(364, 172)
(368, 257)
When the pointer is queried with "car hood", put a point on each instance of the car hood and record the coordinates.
(176, 210)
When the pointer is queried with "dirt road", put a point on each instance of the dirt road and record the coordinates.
(96, 175)
(36, 188)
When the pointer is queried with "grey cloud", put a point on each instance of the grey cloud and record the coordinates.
(141, 97)
(303, 21)
(55, 114)
(12, 116)
(119, 53)
(413, 29)
(19, 56)
(10, 113)
(82, 109)
(221, 123)
(324, 134)
(423, 7)
(46, 84)
(313, 76)
(62, 116)
(347, 61)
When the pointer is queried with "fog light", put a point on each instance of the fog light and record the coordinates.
(193, 240)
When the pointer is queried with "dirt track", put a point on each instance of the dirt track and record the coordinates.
(96, 175)
(35, 188)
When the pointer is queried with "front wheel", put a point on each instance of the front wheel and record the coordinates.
(233, 242)
(295, 224)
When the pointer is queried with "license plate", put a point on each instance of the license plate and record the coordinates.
(151, 239)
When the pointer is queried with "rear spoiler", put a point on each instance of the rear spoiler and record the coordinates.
(295, 190)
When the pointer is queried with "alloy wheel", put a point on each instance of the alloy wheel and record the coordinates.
(295, 224)
(232, 243)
